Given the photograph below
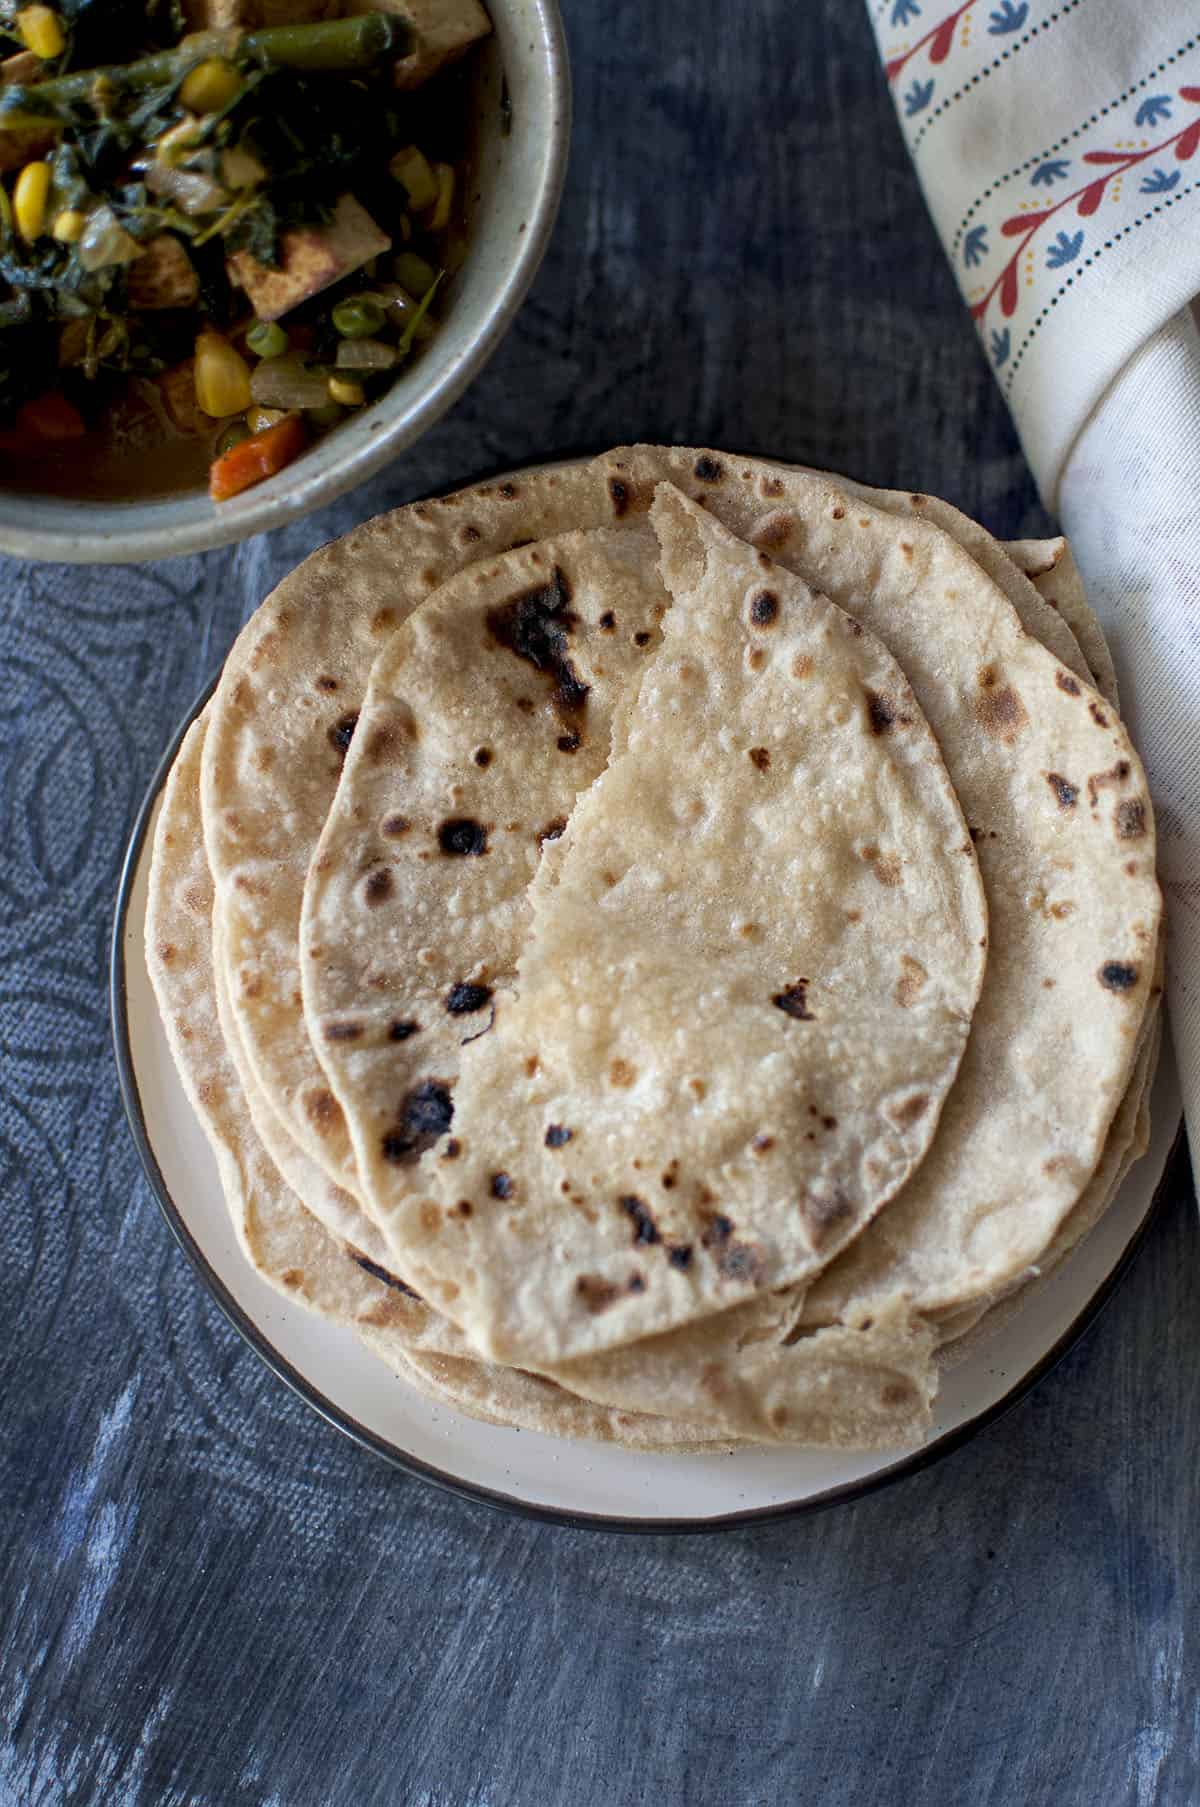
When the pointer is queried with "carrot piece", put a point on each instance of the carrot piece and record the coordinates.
(50, 416)
(256, 458)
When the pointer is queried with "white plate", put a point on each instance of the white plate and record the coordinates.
(578, 1483)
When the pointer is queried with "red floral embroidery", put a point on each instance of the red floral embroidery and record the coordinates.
(940, 40)
(1086, 200)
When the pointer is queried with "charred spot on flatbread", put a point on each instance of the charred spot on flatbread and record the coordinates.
(425, 1114)
(463, 837)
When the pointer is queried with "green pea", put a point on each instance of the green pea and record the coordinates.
(327, 415)
(266, 339)
(358, 317)
(234, 433)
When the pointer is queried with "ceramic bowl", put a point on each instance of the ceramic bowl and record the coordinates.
(523, 108)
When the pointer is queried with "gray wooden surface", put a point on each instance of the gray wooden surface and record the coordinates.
(207, 1597)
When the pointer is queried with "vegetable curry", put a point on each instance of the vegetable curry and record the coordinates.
(224, 225)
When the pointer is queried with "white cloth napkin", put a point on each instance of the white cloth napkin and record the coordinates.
(1058, 145)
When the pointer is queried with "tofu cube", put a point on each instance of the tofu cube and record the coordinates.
(443, 30)
(23, 70)
(17, 148)
(312, 258)
(163, 276)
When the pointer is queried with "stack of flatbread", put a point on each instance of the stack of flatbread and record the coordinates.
(666, 948)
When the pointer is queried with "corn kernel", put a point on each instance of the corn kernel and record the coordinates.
(30, 196)
(68, 227)
(439, 219)
(259, 419)
(222, 377)
(345, 390)
(41, 31)
(411, 167)
(210, 86)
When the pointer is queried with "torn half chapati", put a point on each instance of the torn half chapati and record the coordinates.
(751, 979)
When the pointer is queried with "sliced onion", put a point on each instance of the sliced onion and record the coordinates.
(366, 354)
(105, 242)
(190, 189)
(285, 383)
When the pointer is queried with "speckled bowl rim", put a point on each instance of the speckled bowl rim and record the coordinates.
(344, 1421)
(55, 528)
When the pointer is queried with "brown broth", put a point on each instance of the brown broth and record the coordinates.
(97, 469)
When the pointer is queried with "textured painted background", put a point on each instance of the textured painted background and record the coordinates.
(208, 1598)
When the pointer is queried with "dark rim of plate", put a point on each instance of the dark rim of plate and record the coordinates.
(342, 1420)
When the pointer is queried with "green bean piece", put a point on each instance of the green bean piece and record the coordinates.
(410, 332)
(266, 339)
(327, 415)
(358, 317)
(234, 434)
(330, 45)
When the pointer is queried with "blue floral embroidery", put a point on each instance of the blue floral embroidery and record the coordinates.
(1008, 16)
(917, 98)
(1064, 250)
(975, 246)
(1052, 170)
(1152, 109)
(1159, 182)
(905, 10)
(1001, 346)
